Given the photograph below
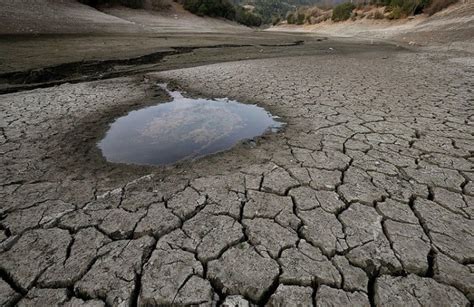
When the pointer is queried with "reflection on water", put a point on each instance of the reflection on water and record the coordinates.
(182, 129)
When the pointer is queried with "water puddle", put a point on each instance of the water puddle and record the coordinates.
(183, 129)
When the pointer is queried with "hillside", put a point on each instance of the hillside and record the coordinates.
(69, 16)
(453, 25)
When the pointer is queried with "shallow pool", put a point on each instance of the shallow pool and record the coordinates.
(182, 129)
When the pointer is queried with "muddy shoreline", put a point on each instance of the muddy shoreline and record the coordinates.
(365, 194)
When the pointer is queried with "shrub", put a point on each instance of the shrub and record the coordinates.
(378, 15)
(342, 11)
(290, 18)
(437, 5)
(276, 20)
(212, 8)
(396, 13)
(247, 18)
(134, 4)
(300, 17)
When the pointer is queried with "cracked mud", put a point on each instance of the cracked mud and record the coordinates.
(365, 199)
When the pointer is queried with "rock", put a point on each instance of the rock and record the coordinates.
(415, 291)
(112, 277)
(236, 271)
(291, 296)
(330, 297)
(306, 265)
(34, 252)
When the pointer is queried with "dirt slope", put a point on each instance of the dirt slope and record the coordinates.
(453, 26)
(69, 16)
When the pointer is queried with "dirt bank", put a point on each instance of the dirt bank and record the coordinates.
(450, 29)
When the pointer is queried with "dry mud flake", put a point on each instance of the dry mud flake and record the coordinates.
(44, 297)
(113, 277)
(305, 264)
(452, 233)
(330, 297)
(7, 295)
(291, 296)
(416, 291)
(85, 248)
(34, 252)
(173, 276)
(243, 270)
(366, 239)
